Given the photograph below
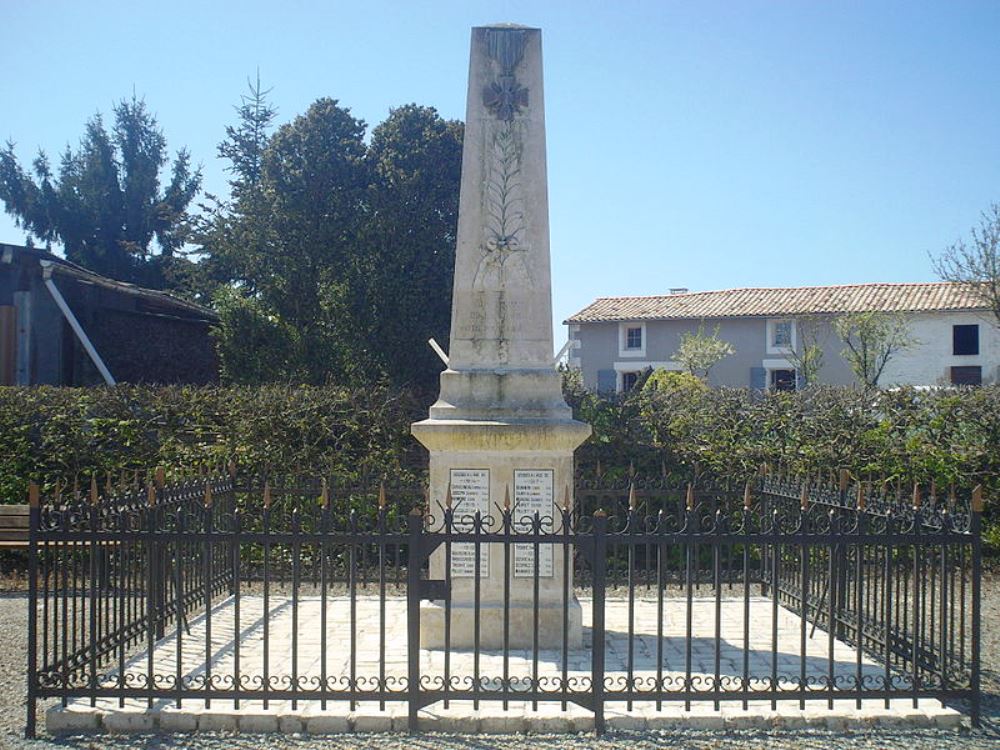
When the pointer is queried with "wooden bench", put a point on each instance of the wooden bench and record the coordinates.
(14, 526)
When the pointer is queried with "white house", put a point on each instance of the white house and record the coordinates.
(956, 337)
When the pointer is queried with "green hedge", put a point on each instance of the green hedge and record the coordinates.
(672, 425)
(61, 434)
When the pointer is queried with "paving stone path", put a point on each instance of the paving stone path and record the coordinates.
(460, 716)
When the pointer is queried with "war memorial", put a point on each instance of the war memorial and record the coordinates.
(498, 601)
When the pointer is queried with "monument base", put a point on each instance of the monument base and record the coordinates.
(551, 621)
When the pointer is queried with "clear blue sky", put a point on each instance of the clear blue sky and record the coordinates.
(698, 144)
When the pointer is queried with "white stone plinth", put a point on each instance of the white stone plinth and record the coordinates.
(552, 619)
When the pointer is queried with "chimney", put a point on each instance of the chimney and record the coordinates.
(678, 290)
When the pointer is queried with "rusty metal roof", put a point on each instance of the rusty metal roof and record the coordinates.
(785, 301)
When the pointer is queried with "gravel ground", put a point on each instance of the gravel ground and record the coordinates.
(13, 630)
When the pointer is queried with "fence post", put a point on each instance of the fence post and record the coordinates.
(838, 596)
(415, 527)
(34, 515)
(975, 526)
(597, 660)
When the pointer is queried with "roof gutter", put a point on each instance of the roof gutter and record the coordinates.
(73, 322)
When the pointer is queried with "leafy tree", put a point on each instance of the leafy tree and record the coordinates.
(976, 265)
(236, 231)
(289, 238)
(807, 354)
(348, 248)
(409, 241)
(106, 205)
(871, 340)
(254, 345)
(699, 352)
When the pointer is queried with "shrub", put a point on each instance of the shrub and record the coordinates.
(50, 435)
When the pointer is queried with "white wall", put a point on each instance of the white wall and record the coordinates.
(929, 361)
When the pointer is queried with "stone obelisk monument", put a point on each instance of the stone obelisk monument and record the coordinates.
(500, 426)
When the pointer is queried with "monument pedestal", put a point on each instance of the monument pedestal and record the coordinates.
(521, 617)
(482, 462)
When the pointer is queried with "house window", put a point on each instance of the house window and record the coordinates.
(633, 337)
(966, 375)
(782, 380)
(782, 334)
(780, 338)
(629, 379)
(965, 339)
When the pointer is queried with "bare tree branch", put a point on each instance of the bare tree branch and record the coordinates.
(976, 265)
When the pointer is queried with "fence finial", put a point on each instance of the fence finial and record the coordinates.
(845, 479)
(566, 500)
(381, 494)
(631, 469)
(447, 496)
(598, 470)
(916, 495)
(267, 494)
(689, 499)
(804, 496)
(977, 499)
(232, 469)
(324, 494)
(506, 497)
(161, 476)
(93, 489)
(631, 496)
(108, 485)
(58, 492)
(151, 494)
(747, 496)
(208, 494)
(862, 502)
(33, 493)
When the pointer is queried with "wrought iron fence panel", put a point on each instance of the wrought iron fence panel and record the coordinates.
(777, 591)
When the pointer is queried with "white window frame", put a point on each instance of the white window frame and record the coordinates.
(622, 367)
(620, 383)
(623, 338)
(770, 365)
(772, 324)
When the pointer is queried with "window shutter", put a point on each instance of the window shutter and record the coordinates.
(607, 381)
(758, 378)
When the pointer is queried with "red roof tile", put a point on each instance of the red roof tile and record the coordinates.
(786, 301)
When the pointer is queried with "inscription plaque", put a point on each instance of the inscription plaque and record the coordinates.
(533, 492)
(470, 492)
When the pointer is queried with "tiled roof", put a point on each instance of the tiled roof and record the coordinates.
(787, 301)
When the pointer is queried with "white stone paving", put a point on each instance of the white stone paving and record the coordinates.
(308, 716)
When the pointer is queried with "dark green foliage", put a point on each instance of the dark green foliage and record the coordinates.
(345, 250)
(66, 434)
(106, 205)
(416, 163)
(679, 428)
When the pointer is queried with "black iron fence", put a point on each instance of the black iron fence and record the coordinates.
(776, 591)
